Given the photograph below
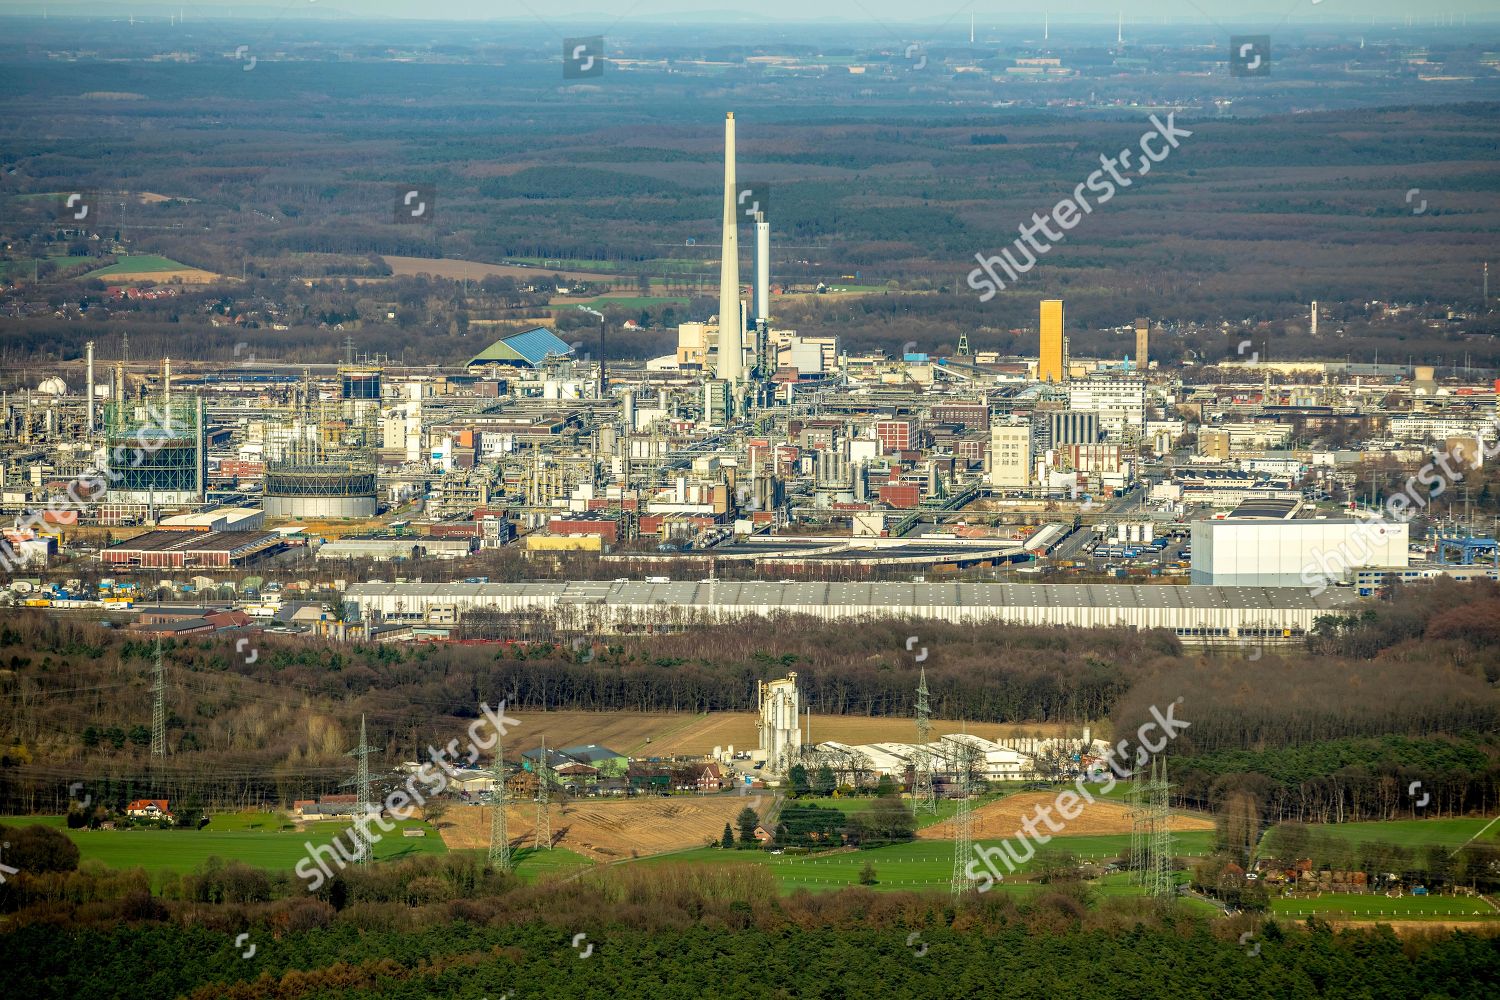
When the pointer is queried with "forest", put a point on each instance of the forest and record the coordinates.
(449, 928)
(873, 187)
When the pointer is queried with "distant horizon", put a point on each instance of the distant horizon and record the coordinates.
(1265, 14)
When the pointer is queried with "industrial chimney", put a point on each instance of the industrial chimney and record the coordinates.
(88, 386)
(731, 335)
(762, 268)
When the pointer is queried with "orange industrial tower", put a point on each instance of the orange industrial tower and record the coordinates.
(1052, 365)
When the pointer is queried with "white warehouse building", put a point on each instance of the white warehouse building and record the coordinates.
(1253, 552)
(1201, 614)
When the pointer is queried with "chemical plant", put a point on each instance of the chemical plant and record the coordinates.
(750, 472)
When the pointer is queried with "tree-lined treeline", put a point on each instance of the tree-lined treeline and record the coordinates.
(1341, 780)
(1440, 621)
(888, 190)
(445, 927)
(1311, 735)
(243, 733)
(1475, 866)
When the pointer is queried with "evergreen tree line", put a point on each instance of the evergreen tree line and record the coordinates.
(446, 927)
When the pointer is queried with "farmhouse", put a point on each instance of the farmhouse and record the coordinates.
(148, 809)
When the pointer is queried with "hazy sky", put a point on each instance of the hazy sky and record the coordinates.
(894, 11)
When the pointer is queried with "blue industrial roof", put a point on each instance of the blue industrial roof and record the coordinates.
(535, 345)
(530, 347)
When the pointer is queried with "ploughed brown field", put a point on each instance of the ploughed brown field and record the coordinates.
(605, 829)
(178, 276)
(679, 733)
(1002, 818)
(475, 270)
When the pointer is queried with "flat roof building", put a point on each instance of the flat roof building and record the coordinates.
(187, 549)
(1264, 552)
(1193, 613)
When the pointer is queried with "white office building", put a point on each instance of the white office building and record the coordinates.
(1247, 552)
(1120, 401)
(1010, 455)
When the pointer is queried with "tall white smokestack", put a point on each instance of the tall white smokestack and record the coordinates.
(731, 335)
(762, 268)
(166, 380)
(1313, 324)
(88, 385)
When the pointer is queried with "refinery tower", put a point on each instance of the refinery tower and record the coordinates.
(731, 324)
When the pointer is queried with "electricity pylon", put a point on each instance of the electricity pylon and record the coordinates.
(923, 798)
(1137, 805)
(543, 815)
(1158, 876)
(365, 807)
(963, 821)
(159, 706)
(499, 835)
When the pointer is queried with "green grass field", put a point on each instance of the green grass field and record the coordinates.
(922, 864)
(636, 301)
(945, 807)
(245, 821)
(1377, 906)
(530, 863)
(58, 822)
(254, 839)
(1404, 832)
(138, 264)
(25, 268)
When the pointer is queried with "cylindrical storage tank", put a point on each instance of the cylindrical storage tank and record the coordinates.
(336, 490)
(320, 507)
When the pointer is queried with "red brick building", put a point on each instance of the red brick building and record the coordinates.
(894, 435)
(606, 526)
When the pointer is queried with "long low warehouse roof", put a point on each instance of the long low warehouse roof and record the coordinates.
(1185, 608)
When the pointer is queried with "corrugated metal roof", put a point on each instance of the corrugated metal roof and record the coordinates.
(531, 346)
(896, 598)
